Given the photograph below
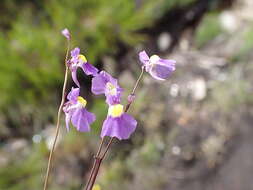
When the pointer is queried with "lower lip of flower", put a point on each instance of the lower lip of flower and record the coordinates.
(116, 110)
(81, 101)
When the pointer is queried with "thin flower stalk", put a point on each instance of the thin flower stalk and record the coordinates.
(49, 165)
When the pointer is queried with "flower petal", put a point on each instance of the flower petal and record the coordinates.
(168, 62)
(90, 116)
(89, 69)
(74, 76)
(144, 58)
(99, 83)
(73, 94)
(120, 127)
(128, 125)
(110, 128)
(109, 78)
(75, 52)
(80, 120)
(67, 120)
(161, 71)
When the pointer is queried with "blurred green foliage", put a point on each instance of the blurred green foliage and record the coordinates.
(24, 173)
(245, 50)
(32, 53)
(208, 29)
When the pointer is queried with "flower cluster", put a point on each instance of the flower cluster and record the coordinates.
(118, 123)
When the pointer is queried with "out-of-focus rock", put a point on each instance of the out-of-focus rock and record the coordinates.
(176, 150)
(229, 21)
(16, 145)
(13, 148)
(212, 147)
(174, 90)
(198, 89)
(164, 41)
(194, 59)
(244, 9)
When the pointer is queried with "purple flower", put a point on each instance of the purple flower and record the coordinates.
(76, 112)
(65, 32)
(118, 123)
(158, 68)
(79, 60)
(104, 83)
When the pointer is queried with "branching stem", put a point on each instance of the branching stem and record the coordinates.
(98, 160)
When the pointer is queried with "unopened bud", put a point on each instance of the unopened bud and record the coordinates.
(131, 98)
(65, 32)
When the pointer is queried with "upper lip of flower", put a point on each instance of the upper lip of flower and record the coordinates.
(72, 105)
(78, 60)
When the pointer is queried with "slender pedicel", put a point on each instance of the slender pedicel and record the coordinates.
(66, 33)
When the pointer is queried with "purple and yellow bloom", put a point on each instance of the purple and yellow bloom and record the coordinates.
(118, 123)
(79, 60)
(104, 83)
(76, 112)
(65, 32)
(158, 68)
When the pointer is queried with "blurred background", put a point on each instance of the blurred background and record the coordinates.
(194, 130)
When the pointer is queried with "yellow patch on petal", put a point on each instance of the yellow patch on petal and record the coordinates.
(82, 58)
(116, 110)
(112, 89)
(154, 58)
(96, 187)
(82, 101)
